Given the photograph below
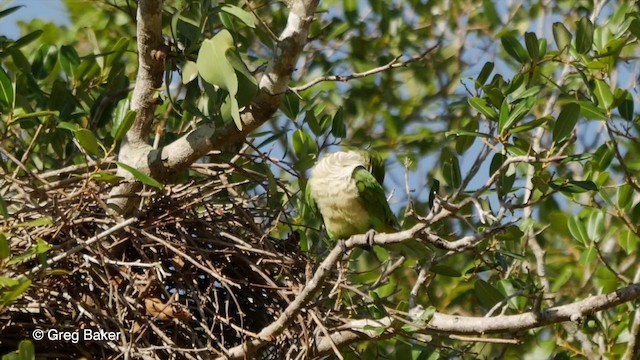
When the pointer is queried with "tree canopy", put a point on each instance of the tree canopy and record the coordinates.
(154, 156)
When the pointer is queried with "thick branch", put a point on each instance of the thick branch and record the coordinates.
(443, 324)
(310, 290)
(273, 86)
(135, 150)
(150, 69)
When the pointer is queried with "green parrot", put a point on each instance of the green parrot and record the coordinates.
(345, 187)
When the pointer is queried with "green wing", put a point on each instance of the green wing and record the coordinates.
(374, 200)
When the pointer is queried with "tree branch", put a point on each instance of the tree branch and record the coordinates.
(272, 88)
(135, 150)
(344, 78)
(443, 324)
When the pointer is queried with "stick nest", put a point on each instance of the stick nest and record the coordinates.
(198, 273)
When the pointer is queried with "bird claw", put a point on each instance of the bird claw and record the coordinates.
(371, 234)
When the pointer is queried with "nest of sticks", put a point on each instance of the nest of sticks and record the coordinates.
(197, 272)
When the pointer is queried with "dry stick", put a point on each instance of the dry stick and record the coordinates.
(81, 246)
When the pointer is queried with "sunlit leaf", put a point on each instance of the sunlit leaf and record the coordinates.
(562, 36)
(246, 17)
(484, 108)
(578, 230)
(603, 94)
(140, 176)
(88, 141)
(189, 72)
(215, 68)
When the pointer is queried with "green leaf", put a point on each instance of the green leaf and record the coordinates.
(487, 293)
(505, 182)
(44, 60)
(120, 112)
(116, 52)
(68, 126)
(590, 111)
(626, 106)
(13, 293)
(26, 350)
(458, 133)
(628, 241)
(451, 169)
(338, 127)
(566, 121)
(482, 107)
(562, 279)
(625, 195)
(106, 177)
(246, 17)
(562, 36)
(311, 120)
(189, 72)
(531, 124)
(4, 211)
(513, 47)
(595, 225)
(504, 115)
(69, 60)
(578, 230)
(584, 35)
(489, 10)
(526, 93)
(88, 141)
(5, 248)
(45, 221)
(531, 41)
(511, 233)
(143, 178)
(445, 270)
(573, 186)
(484, 73)
(6, 89)
(27, 39)
(603, 156)
(303, 144)
(9, 11)
(124, 125)
(520, 110)
(603, 94)
(216, 69)
(291, 106)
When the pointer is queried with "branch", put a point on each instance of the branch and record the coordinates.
(311, 289)
(272, 88)
(443, 324)
(134, 150)
(344, 78)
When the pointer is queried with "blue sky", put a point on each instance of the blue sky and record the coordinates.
(48, 10)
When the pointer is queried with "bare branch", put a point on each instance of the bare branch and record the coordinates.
(344, 78)
(466, 325)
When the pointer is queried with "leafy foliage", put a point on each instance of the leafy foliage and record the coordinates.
(523, 116)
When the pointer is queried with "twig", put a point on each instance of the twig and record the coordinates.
(388, 66)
